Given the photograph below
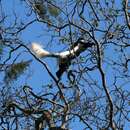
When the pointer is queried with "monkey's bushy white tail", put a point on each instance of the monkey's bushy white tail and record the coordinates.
(39, 51)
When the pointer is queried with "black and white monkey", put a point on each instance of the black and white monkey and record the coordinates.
(64, 57)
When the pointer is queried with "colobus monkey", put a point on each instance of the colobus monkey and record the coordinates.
(64, 57)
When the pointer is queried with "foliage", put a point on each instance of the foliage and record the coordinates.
(1, 50)
(15, 70)
(53, 10)
(46, 10)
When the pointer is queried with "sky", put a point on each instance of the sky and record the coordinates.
(34, 33)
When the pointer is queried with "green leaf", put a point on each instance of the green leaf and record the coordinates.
(53, 10)
(1, 50)
(15, 70)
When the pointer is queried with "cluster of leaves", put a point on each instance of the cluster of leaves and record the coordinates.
(15, 70)
(53, 11)
(45, 10)
(1, 49)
